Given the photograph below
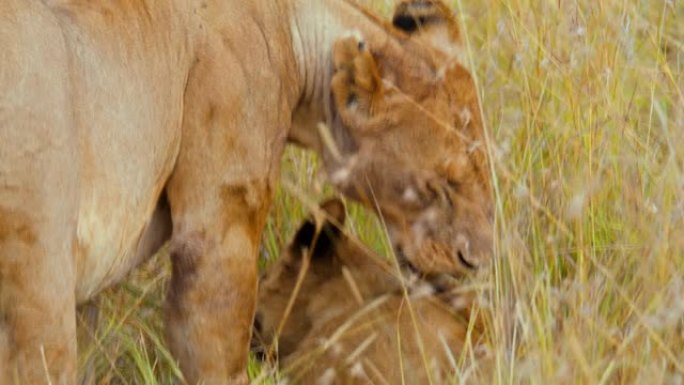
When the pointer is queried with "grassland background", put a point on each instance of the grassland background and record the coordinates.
(584, 102)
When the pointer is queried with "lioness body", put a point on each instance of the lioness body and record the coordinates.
(100, 103)
(127, 122)
(122, 71)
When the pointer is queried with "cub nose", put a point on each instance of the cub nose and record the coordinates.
(463, 254)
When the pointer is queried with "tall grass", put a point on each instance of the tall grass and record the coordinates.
(584, 102)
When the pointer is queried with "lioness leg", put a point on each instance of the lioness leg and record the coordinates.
(38, 182)
(37, 302)
(219, 194)
(37, 262)
(212, 295)
(37, 231)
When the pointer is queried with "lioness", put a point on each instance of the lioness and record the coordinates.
(126, 123)
(341, 315)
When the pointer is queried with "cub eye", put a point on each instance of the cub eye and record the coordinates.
(436, 190)
(417, 198)
(454, 185)
(291, 267)
(410, 195)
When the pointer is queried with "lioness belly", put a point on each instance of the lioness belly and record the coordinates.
(120, 213)
(127, 83)
(125, 165)
(108, 250)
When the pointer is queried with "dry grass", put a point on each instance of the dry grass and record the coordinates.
(585, 106)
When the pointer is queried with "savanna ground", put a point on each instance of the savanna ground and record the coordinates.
(584, 102)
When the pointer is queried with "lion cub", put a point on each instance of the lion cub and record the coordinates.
(342, 316)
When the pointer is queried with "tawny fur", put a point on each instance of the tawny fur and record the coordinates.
(352, 322)
(127, 123)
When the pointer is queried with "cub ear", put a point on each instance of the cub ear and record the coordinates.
(320, 242)
(430, 20)
(304, 237)
(334, 211)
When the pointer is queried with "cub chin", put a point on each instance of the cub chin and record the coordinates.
(333, 312)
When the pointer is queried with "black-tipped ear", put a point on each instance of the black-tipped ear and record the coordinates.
(405, 23)
(304, 237)
(323, 245)
(413, 16)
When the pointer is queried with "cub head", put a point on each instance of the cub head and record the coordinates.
(419, 157)
(324, 275)
(294, 280)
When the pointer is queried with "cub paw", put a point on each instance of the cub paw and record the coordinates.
(356, 82)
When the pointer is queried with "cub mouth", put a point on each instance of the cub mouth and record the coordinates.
(464, 262)
(406, 263)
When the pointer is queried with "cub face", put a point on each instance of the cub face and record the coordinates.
(420, 159)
